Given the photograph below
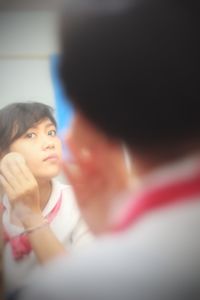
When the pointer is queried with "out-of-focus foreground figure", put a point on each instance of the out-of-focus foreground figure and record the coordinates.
(131, 69)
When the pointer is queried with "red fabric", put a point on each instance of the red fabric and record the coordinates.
(181, 190)
(20, 244)
(1, 207)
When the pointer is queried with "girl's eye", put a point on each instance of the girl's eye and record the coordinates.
(52, 132)
(30, 135)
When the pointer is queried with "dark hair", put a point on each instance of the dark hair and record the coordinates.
(17, 118)
(132, 68)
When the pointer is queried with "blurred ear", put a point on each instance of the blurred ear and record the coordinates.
(84, 133)
(96, 171)
(86, 141)
(95, 151)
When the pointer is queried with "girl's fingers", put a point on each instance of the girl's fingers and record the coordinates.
(16, 178)
(11, 178)
(26, 174)
(7, 187)
(16, 172)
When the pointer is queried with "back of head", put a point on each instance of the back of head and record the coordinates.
(17, 118)
(132, 68)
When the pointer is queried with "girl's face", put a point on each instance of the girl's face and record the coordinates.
(41, 148)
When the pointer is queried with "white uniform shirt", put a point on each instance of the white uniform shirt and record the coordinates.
(67, 226)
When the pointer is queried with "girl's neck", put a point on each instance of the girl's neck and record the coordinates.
(45, 189)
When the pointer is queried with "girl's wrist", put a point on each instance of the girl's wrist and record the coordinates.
(32, 220)
(37, 226)
(28, 217)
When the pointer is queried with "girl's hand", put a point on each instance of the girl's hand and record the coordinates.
(19, 184)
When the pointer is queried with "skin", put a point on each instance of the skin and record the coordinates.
(31, 162)
(96, 171)
(26, 172)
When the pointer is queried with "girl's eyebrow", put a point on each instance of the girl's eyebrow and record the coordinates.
(50, 124)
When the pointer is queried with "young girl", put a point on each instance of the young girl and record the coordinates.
(40, 218)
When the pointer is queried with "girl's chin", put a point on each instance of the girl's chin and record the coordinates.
(48, 176)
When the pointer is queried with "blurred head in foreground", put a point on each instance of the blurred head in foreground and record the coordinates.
(131, 69)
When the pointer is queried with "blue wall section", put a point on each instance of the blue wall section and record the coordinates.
(63, 109)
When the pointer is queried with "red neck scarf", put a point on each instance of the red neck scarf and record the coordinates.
(180, 190)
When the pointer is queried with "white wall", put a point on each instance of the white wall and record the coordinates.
(27, 39)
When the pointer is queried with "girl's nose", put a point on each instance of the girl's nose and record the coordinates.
(48, 145)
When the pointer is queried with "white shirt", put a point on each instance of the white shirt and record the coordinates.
(156, 259)
(67, 226)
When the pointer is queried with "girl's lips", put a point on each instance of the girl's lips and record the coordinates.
(51, 157)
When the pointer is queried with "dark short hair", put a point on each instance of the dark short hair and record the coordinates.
(17, 118)
(132, 68)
